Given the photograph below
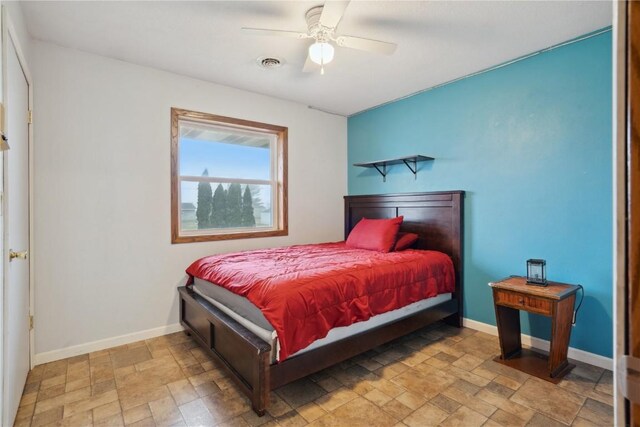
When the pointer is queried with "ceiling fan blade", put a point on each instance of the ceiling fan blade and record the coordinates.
(309, 66)
(332, 13)
(267, 32)
(368, 45)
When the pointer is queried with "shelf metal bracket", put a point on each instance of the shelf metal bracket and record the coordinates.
(382, 172)
(413, 169)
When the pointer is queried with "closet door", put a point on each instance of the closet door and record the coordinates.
(16, 199)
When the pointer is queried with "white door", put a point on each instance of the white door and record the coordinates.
(16, 291)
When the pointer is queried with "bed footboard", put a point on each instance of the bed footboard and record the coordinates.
(238, 349)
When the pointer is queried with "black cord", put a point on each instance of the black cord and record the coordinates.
(575, 312)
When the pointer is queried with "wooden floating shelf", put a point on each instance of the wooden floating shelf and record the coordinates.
(409, 161)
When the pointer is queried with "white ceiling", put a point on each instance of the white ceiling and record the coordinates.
(438, 41)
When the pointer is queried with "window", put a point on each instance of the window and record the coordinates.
(228, 178)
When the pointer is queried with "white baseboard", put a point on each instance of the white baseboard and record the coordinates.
(76, 350)
(540, 344)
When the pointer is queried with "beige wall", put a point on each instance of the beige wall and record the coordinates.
(104, 264)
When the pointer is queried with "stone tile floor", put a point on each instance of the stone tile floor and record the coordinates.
(439, 375)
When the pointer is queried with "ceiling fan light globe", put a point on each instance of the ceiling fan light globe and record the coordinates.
(321, 53)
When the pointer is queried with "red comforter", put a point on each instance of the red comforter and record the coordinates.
(305, 291)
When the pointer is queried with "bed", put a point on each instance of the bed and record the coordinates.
(249, 354)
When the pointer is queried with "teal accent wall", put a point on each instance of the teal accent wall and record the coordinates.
(531, 144)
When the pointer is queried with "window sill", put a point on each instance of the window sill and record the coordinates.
(230, 236)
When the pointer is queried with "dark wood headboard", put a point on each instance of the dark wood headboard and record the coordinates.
(437, 217)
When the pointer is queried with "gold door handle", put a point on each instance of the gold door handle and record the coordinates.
(20, 255)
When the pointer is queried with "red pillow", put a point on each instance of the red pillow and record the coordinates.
(405, 241)
(375, 234)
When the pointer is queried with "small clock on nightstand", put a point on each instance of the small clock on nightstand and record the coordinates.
(536, 272)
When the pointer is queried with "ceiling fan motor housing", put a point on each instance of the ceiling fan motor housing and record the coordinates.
(316, 30)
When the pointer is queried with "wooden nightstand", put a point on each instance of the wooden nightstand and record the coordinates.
(556, 301)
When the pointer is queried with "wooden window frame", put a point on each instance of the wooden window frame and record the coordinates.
(280, 210)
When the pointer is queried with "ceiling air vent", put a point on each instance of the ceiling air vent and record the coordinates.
(268, 62)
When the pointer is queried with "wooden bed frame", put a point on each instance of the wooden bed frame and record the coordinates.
(436, 217)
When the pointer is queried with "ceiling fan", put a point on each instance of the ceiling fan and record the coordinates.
(322, 22)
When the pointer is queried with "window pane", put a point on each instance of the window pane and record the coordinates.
(218, 151)
(212, 206)
(228, 178)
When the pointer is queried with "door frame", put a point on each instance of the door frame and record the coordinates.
(10, 35)
(627, 231)
(632, 116)
(620, 196)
